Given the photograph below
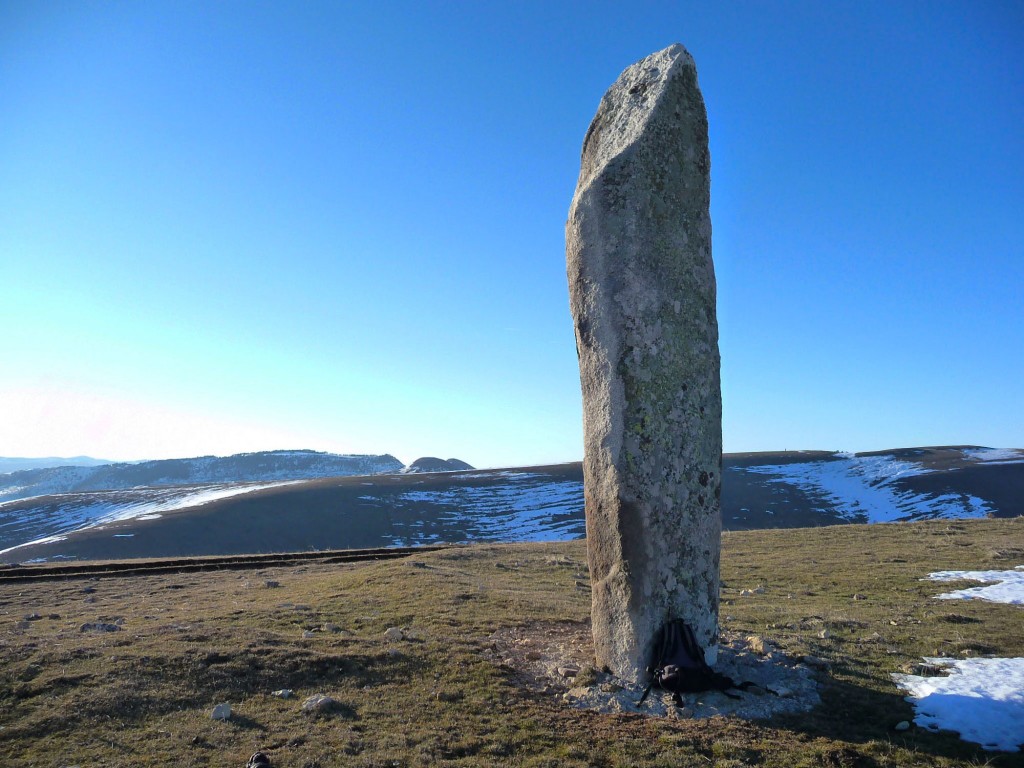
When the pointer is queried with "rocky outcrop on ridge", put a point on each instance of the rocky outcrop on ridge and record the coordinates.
(434, 464)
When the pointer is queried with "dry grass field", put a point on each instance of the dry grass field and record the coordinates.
(142, 695)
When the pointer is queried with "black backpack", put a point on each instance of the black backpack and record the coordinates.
(679, 667)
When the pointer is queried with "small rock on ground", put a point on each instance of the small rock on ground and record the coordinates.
(318, 703)
(99, 626)
(221, 712)
(393, 634)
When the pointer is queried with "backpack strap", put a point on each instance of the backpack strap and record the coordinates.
(658, 656)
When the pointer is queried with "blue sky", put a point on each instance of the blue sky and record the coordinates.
(243, 226)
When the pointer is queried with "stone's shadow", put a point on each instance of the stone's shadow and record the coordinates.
(858, 714)
(241, 721)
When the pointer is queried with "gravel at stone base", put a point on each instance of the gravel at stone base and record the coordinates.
(542, 654)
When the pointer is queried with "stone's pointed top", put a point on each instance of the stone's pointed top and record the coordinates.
(675, 52)
(634, 100)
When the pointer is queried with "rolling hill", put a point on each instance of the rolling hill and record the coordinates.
(278, 513)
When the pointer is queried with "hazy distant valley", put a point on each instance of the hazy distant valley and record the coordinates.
(300, 500)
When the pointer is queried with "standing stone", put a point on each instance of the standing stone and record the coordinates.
(642, 295)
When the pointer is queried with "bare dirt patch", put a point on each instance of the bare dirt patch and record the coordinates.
(557, 659)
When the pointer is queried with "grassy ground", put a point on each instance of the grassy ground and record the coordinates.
(142, 696)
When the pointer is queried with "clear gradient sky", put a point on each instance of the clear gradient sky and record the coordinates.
(239, 226)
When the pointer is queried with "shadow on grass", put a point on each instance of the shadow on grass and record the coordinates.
(241, 721)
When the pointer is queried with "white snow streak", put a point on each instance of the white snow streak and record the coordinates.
(863, 488)
(82, 511)
(995, 455)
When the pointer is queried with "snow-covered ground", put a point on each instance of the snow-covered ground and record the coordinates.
(863, 489)
(981, 699)
(526, 507)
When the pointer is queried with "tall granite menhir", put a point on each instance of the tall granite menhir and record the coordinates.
(642, 294)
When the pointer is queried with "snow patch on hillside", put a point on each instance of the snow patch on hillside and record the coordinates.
(1000, 586)
(81, 511)
(529, 507)
(862, 488)
(995, 455)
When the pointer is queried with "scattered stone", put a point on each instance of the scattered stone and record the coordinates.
(90, 599)
(259, 760)
(53, 616)
(758, 590)
(319, 703)
(568, 671)
(308, 633)
(33, 617)
(334, 628)
(271, 584)
(824, 634)
(902, 725)
(860, 597)
(746, 592)
(283, 693)
(393, 634)
(99, 627)
(88, 590)
(221, 712)
(759, 645)
(642, 296)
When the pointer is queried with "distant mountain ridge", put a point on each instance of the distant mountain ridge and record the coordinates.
(11, 464)
(263, 466)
